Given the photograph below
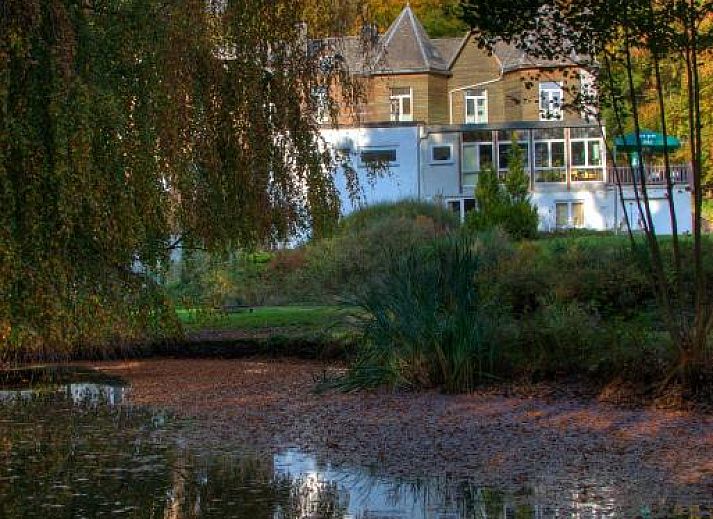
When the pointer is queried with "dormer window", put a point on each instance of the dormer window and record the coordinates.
(320, 96)
(551, 101)
(401, 104)
(476, 106)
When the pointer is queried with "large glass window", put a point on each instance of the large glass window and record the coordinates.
(476, 158)
(550, 163)
(551, 101)
(401, 104)
(476, 106)
(506, 140)
(587, 155)
(478, 154)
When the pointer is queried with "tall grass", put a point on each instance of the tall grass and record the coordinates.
(427, 323)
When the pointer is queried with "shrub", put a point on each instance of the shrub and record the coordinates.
(505, 206)
(357, 254)
(427, 324)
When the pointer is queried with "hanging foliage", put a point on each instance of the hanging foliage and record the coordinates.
(128, 127)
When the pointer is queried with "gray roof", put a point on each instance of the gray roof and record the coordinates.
(448, 47)
(513, 58)
(406, 48)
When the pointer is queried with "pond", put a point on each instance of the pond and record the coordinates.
(73, 446)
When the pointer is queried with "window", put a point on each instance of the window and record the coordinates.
(551, 101)
(586, 155)
(320, 96)
(588, 95)
(478, 154)
(401, 104)
(442, 154)
(550, 165)
(476, 106)
(378, 157)
(569, 215)
(461, 206)
(476, 157)
(505, 142)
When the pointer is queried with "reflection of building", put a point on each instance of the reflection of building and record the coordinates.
(95, 394)
(437, 112)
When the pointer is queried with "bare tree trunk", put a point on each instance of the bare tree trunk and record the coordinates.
(702, 321)
(667, 168)
(620, 130)
(657, 269)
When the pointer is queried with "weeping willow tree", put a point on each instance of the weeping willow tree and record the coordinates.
(131, 127)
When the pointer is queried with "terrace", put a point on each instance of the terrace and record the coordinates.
(655, 175)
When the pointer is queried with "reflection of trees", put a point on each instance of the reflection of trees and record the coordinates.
(98, 459)
(75, 461)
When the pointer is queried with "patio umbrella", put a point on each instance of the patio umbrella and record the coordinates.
(651, 142)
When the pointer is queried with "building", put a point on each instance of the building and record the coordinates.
(435, 112)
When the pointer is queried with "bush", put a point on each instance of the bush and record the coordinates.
(462, 311)
(505, 206)
(356, 256)
(428, 324)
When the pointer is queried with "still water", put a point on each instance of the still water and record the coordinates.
(71, 446)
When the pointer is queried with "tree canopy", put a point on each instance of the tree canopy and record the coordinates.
(128, 127)
(615, 39)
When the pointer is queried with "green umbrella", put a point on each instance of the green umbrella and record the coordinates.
(651, 142)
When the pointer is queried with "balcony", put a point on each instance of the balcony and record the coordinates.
(655, 175)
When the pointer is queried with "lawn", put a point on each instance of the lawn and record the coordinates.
(302, 318)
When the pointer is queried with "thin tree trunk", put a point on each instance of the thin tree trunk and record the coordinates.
(667, 170)
(620, 130)
(659, 278)
(702, 306)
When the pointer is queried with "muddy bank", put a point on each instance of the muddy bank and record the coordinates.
(508, 441)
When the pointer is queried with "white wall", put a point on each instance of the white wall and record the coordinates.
(440, 180)
(660, 212)
(414, 176)
(401, 181)
(603, 209)
(597, 206)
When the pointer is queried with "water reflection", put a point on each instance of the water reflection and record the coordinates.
(68, 449)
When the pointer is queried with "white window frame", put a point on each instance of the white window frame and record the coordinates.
(586, 141)
(553, 111)
(476, 97)
(436, 162)
(526, 146)
(570, 215)
(461, 205)
(479, 165)
(398, 100)
(549, 141)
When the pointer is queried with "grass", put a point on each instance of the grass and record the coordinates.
(302, 318)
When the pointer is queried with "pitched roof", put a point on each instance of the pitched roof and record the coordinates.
(448, 47)
(405, 47)
(513, 58)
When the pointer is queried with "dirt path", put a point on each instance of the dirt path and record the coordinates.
(510, 442)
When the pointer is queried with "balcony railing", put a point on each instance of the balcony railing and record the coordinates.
(655, 175)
